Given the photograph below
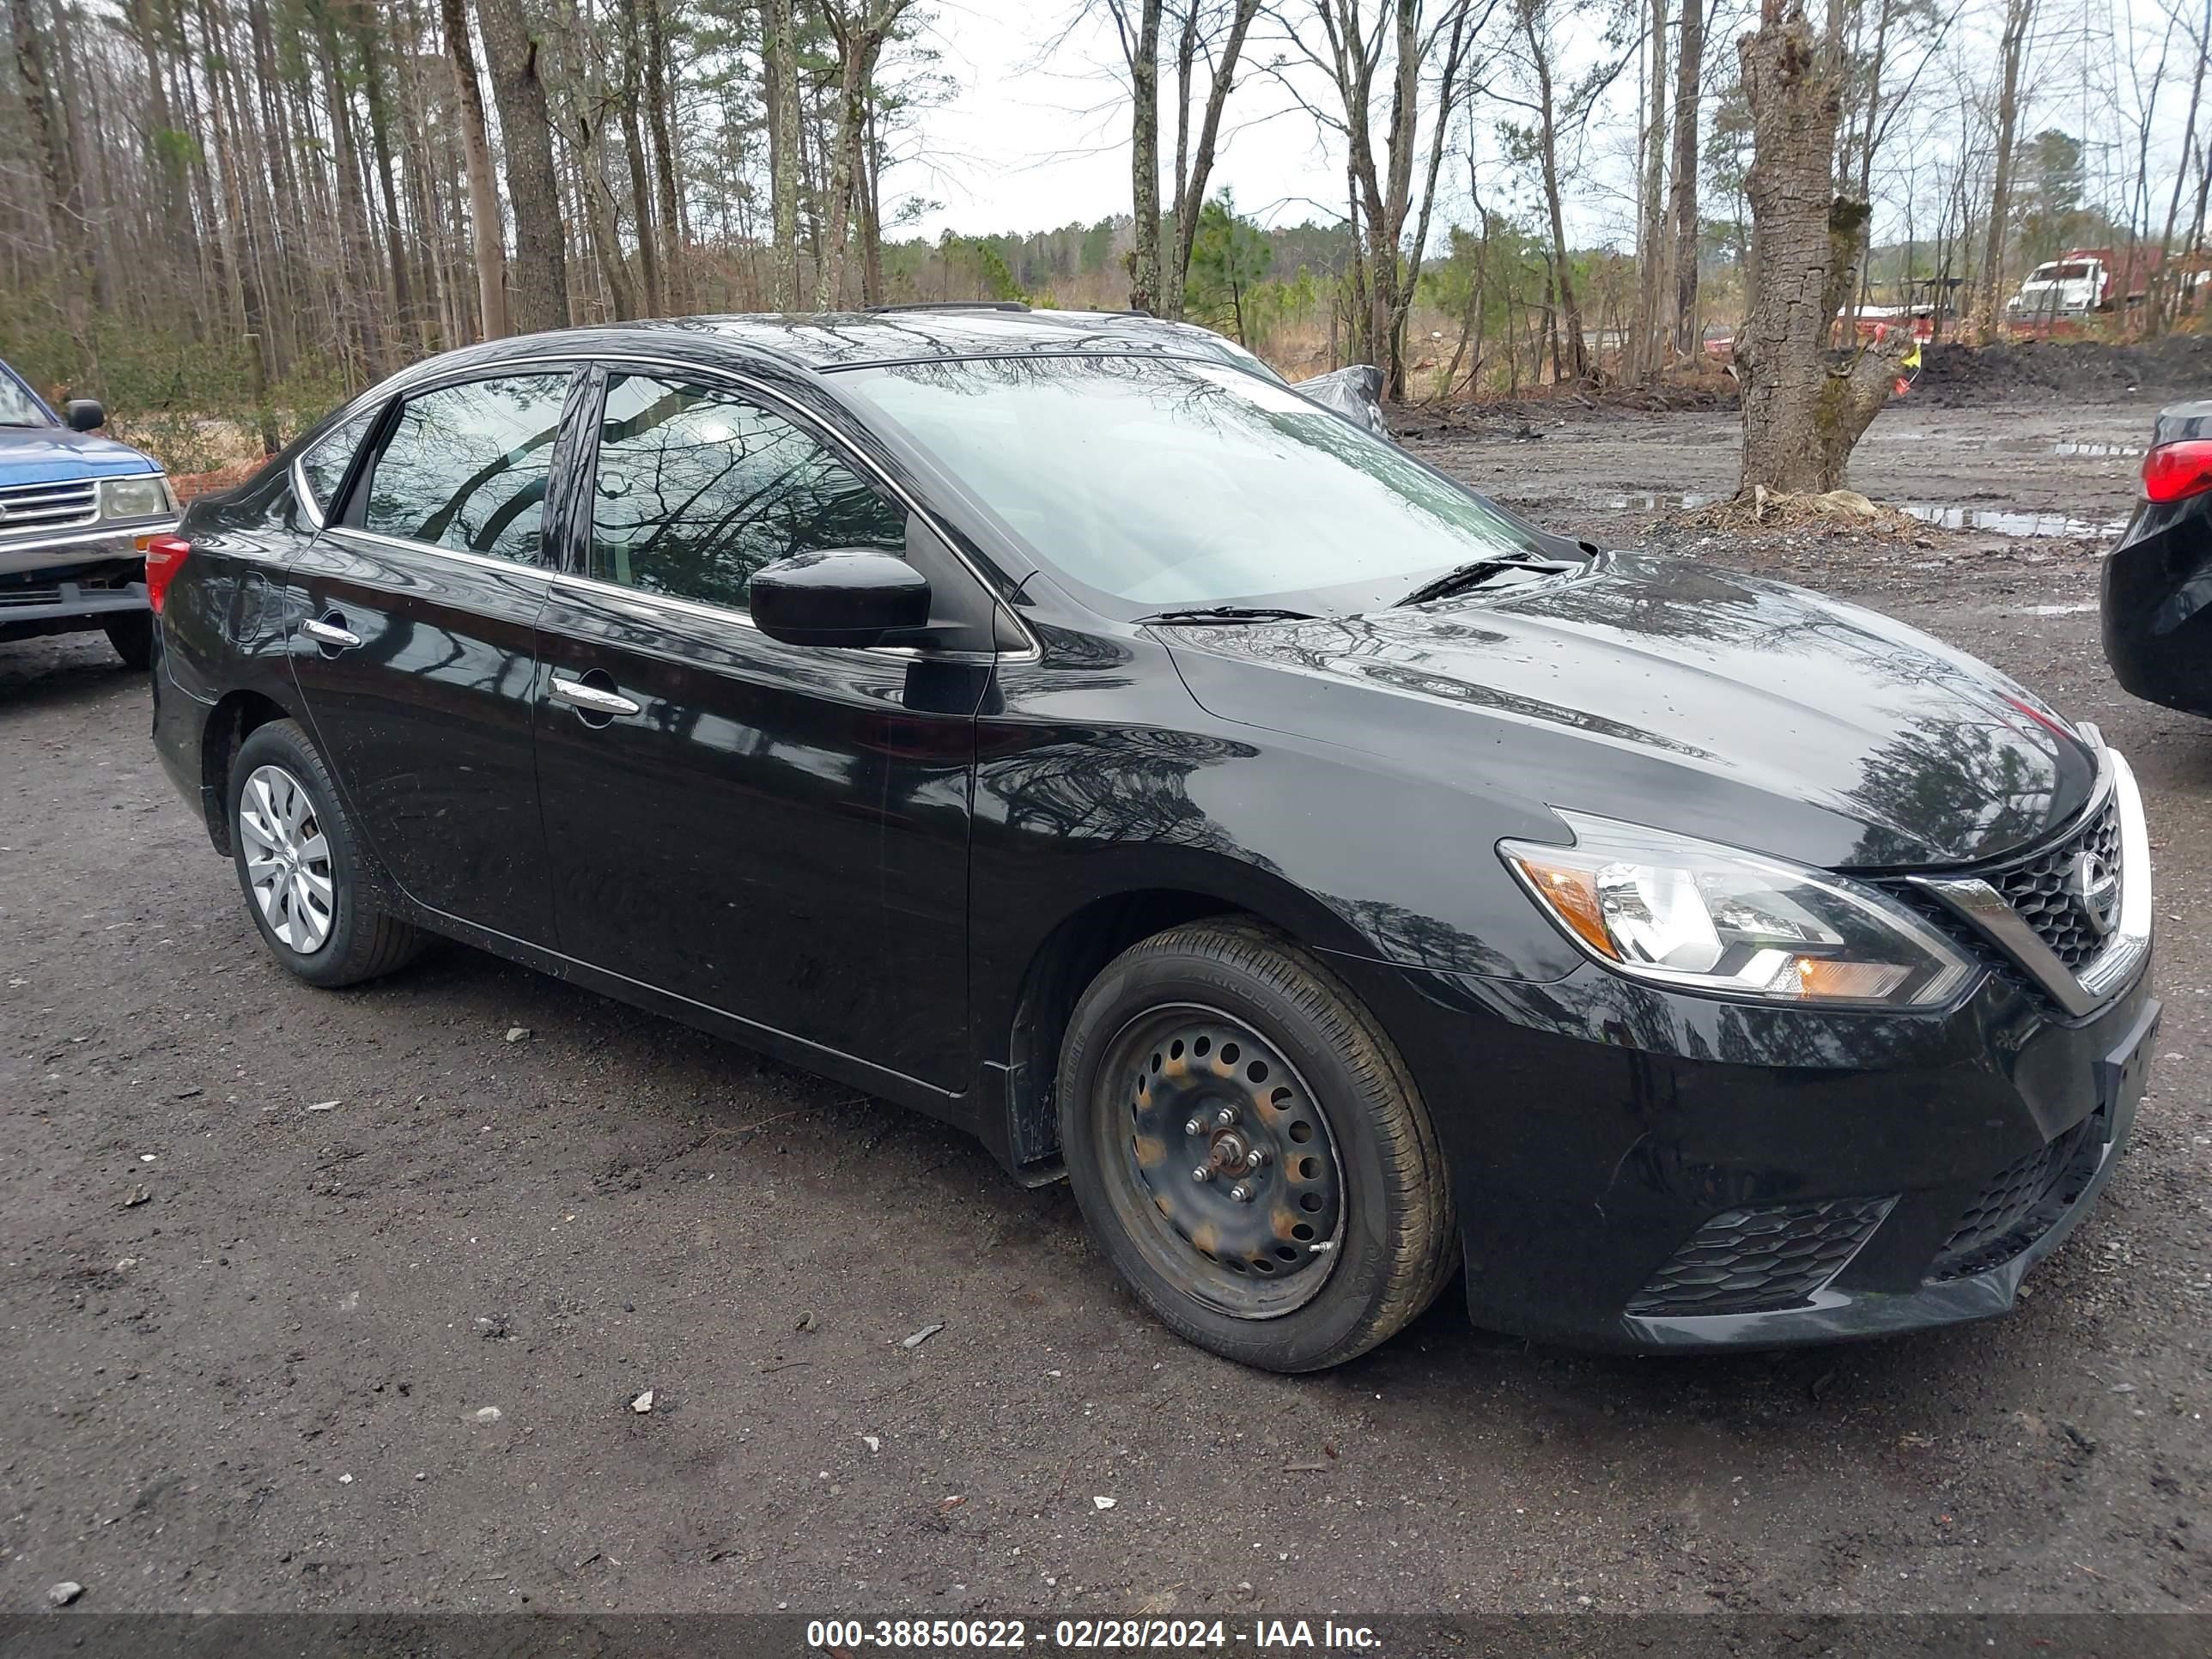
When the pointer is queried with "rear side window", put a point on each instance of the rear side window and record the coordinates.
(324, 465)
(466, 466)
(697, 489)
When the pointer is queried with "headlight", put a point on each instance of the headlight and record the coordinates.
(135, 498)
(1702, 917)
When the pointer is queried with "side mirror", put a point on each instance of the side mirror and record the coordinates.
(84, 415)
(846, 596)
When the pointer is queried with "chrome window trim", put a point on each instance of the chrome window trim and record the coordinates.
(1984, 908)
(305, 495)
(645, 599)
(459, 554)
(571, 360)
(837, 446)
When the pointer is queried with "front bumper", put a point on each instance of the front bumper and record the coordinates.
(107, 541)
(1596, 1130)
(1638, 1167)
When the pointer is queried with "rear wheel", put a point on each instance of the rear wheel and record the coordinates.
(299, 865)
(132, 636)
(1248, 1149)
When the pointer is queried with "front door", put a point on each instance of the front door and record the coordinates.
(416, 658)
(778, 832)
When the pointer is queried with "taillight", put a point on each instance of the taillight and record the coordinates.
(2173, 472)
(165, 556)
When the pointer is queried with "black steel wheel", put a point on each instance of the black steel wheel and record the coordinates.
(1248, 1149)
(1227, 1174)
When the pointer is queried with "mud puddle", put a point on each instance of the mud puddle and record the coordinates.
(1999, 521)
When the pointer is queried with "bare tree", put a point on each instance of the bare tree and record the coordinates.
(1356, 54)
(1218, 31)
(860, 27)
(1534, 21)
(64, 202)
(2160, 289)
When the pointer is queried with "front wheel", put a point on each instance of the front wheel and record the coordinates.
(299, 865)
(1248, 1149)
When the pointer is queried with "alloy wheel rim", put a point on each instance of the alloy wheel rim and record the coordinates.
(1220, 1161)
(288, 859)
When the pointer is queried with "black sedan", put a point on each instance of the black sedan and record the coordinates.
(2158, 581)
(1069, 732)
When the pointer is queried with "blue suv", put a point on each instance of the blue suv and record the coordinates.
(75, 513)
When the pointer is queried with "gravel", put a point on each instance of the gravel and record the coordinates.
(639, 1199)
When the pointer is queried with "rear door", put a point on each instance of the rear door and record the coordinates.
(778, 832)
(416, 656)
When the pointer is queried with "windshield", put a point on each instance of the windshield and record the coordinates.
(17, 406)
(1156, 483)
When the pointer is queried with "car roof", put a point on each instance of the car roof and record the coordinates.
(892, 335)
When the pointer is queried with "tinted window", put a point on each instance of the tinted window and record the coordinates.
(324, 465)
(466, 466)
(697, 489)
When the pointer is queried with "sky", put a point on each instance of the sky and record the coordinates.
(1036, 132)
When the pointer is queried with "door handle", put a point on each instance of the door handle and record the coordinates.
(590, 699)
(328, 630)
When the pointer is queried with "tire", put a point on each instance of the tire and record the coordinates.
(336, 937)
(132, 636)
(1337, 1253)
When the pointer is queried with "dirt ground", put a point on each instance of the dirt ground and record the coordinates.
(317, 1301)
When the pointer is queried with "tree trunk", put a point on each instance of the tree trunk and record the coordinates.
(1689, 70)
(678, 291)
(2018, 15)
(1144, 56)
(860, 38)
(486, 233)
(871, 216)
(1651, 266)
(540, 285)
(1801, 414)
(380, 134)
(655, 298)
(782, 70)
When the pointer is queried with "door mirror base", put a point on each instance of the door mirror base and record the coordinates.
(851, 596)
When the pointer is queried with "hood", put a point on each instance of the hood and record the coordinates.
(1669, 694)
(50, 454)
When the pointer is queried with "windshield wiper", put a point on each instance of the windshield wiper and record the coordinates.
(1474, 574)
(1229, 613)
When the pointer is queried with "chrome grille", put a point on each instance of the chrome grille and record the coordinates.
(69, 505)
(2038, 888)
